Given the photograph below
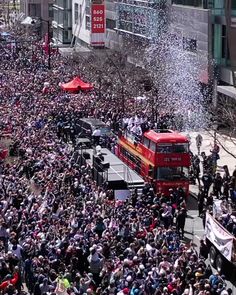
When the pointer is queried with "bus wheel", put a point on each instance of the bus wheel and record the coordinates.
(212, 256)
(219, 263)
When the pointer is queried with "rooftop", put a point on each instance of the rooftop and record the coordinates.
(166, 137)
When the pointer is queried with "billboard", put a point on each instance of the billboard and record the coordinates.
(98, 23)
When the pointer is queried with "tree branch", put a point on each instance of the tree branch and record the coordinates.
(221, 145)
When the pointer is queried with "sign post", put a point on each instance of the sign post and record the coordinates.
(98, 23)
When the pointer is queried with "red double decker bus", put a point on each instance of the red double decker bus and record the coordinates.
(161, 157)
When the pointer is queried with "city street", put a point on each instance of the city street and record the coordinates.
(194, 228)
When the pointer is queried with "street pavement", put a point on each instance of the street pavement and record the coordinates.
(193, 228)
(228, 143)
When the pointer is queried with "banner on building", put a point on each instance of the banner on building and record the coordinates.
(219, 237)
(98, 23)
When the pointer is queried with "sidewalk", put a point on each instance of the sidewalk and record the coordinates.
(225, 158)
(226, 141)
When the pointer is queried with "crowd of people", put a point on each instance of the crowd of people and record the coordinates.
(60, 233)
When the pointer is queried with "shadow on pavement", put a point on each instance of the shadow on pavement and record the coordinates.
(192, 203)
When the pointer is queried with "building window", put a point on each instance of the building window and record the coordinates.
(76, 13)
(224, 43)
(87, 7)
(87, 23)
(65, 35)
(110, 24)
(189, 44)
(50, 10)
(195, 3)
(35, 10)
(66, 19)
(80, 14)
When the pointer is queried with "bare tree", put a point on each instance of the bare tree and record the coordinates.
(112, 74)
(223, 124)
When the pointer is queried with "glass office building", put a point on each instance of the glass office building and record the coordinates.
(62, 21)
(140, 17)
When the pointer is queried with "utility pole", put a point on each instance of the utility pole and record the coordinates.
(49, 46)
(48, 41)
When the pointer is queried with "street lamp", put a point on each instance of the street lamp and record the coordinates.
(48, 41)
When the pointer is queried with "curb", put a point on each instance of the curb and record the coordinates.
(194, 195)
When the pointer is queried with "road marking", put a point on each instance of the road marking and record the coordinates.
(199, 230)
(197, 237)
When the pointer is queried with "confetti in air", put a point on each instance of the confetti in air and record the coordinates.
(175, 70)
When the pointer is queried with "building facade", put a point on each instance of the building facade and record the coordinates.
(82, 20)
(39, 9)
(62, 21)
(224, 45)
(220, 40)
(192, 24)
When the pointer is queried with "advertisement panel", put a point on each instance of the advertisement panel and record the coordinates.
(219, 237)
(98, 23)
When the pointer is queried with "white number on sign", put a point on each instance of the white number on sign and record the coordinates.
(98, 26)
(98, 12)
(98, 19)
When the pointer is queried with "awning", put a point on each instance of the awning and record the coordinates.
(76, 84)
(28, 21)
(227, 90)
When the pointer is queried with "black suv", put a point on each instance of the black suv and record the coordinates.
(86, 126)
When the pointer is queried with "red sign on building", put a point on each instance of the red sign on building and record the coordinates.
(98, 24)
(98, 18)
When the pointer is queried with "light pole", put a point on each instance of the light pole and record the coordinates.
(48, 41)
(49, 46)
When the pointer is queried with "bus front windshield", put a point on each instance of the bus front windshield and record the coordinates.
(172, 173)
(177, 148)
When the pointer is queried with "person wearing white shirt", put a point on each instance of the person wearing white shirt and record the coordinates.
(136, 130)
(125, 122)
(96, 135)
(131, 121)
(16, 249)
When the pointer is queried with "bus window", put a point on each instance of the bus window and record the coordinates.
(138, 164)
(177, 148)
(172, 173)
(180, 148)
(146, 142)
(153, 146)
(164, 148)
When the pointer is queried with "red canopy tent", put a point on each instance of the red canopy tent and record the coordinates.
(76, 84)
